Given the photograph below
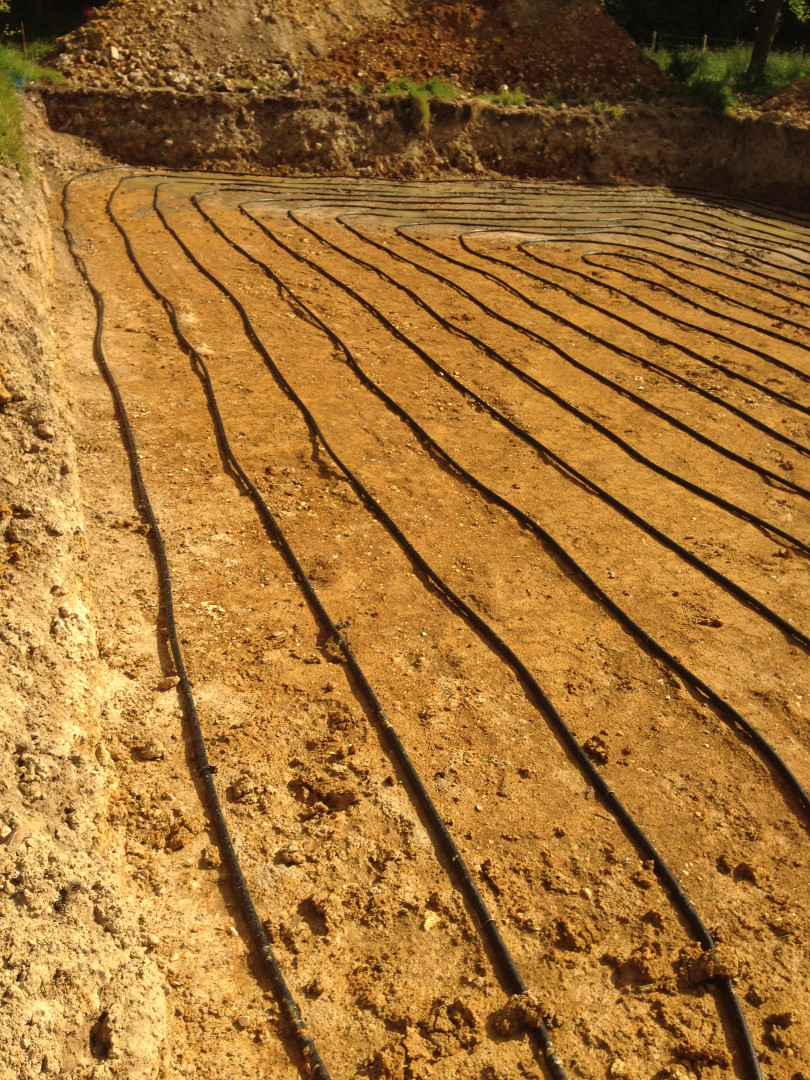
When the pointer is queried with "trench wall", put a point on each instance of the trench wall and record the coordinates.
(343, 132)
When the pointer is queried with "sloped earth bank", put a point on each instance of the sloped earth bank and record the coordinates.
(345, 131)
(73, 955)
(567, 47)
(656, 343)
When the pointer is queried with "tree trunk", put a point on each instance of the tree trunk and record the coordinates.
(768, 21)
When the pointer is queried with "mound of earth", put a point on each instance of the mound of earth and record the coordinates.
(573, 49)
(548, 46)
(797, 95)
(790, 105)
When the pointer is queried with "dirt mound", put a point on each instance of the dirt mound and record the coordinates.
(196, 44)
(790, 105)
(797, 94)
(572, 49)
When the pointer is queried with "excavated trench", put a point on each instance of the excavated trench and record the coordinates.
(404, 596)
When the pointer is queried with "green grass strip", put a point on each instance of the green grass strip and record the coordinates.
(16, 72)
(715, 77)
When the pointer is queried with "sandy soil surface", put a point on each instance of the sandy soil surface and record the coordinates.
(609, 424)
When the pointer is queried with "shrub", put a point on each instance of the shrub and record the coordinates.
(421, 94)
(610, 110)
(441, 90)
(714, 94)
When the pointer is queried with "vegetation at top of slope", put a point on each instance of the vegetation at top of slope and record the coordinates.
(421, 94)
(17, 71)
(716, 77)
(507, 97)
(438, 89)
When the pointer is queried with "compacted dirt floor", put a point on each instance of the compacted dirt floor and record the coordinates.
(542, 454)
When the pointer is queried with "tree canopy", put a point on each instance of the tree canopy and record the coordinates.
(724, 21)
(45, 18)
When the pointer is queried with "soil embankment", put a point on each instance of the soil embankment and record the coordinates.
(76, 984)
(344, 132)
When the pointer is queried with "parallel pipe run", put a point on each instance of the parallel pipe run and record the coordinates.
(688, 485)
(723, 297)
(509, 973)
(535, 693)
(651, 336)
(590, 257)
(641, 231)
(533, 689)
(641, 402)
(628, 448)
(723, 709)
(547, 454)
(683, 222)
(314, 1066)
(564, 467)
(489, 931)
(645, 362)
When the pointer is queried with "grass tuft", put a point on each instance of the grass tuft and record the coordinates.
(441, 90)
(40, 46)
(609, 110)
(421, 95)
(507, 97)
(12, 146)
(23, 71)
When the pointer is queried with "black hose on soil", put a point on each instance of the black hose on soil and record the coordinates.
(313, 1063)
(533, 689)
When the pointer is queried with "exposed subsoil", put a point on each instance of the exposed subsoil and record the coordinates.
(792, 104)
(631, 390)
(146, 971)
(343, 131)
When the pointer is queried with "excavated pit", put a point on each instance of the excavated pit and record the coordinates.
(124, 954)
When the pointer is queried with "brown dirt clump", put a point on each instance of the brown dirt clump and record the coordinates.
(797, 94)
(549, 47)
